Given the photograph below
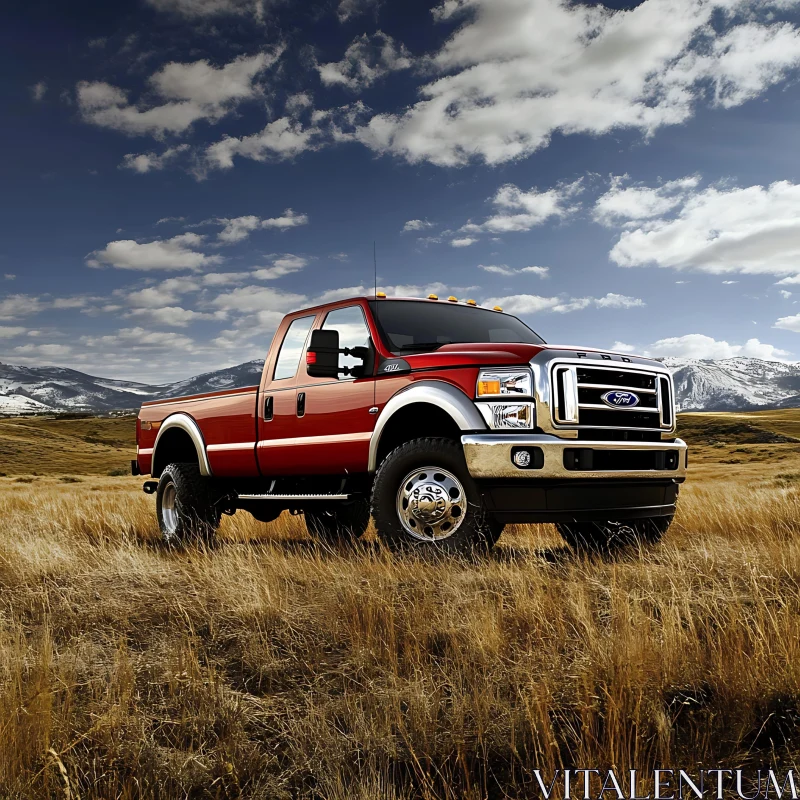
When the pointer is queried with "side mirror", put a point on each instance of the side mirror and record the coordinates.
(322, 356)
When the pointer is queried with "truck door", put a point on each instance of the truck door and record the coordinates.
(334, 431)
(278, 406)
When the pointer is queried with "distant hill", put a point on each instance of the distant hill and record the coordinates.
(700, 385)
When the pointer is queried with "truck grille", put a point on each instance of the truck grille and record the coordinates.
(578, 393)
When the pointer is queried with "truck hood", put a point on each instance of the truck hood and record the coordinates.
(505, 354)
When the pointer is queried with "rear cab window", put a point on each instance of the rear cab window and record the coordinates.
(292, 348)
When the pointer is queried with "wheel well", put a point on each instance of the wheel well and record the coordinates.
(416, 421)
(174, 446)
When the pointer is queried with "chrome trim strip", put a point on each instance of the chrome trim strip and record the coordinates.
(337, 438)
(217, 448)
(437, 393)
(617, 388)
(489, 456)
(601, 407)
(186, 423)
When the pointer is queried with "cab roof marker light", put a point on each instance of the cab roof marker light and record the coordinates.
(433, 297)
(498, 308)
(452, 299)
(382, 295)
(471, 303)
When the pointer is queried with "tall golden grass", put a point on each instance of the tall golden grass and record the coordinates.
(271, 667)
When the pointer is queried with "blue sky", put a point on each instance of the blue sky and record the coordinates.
(179, 173)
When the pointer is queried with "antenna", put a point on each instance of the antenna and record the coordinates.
(375, 263)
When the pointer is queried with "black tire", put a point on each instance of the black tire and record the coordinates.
(186, 506)
(345, 523)
(474, 531)
(610, 537)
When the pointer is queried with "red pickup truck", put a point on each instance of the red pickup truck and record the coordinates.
(441, 420)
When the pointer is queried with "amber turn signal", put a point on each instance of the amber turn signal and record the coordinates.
(488, 387)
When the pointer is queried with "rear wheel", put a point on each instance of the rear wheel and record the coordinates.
(425, 499)
(345, 523)
(613, 536)
(185, 506)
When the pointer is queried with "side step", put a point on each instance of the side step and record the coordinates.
(303, 497)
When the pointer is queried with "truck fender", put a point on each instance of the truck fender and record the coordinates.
(187, 424)
(438, 393)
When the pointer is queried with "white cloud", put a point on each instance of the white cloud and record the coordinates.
(140, 339)
(416, 225)
(729, 283)
(46, 351)
(533, 303)
(721, 230)
(621, 205)
(165, 220)
(9, 276)
(151, 162)
(464, 242)
(504, 269)
(785, 295)
(210, 8)
(171, 316)
(179, 252)
(20, 305)
(10, 331)
(520, 211)
(789, 323)
(283, 138)
(366, 60)
(352, 8)
(621, 347)
(238, 229)
(517, 71)
(193, 91)
(285, 265)
(38, 91)
(255, 299)
(696, 345)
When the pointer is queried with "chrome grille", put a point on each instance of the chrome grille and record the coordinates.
(578, 390)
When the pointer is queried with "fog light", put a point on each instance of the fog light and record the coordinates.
(522, 458)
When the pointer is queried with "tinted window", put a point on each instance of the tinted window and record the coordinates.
(353, 332)
(292, 348)
(409, 326)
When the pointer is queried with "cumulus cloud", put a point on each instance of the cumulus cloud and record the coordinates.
(38, 91)
(516, 72)
(717, 230)
(193, 9)
(191, 92)
(139, 338)
(789, 323)
(10, 331)
(622, 205)
(284, 265)
(697, 345)
(179, 252)
(352, 8)
(416, 225)
(43, 351)
(170, 316)
(504, 269)
(20, 305)
(532, 303)
(463, 242)
(152, 162)
(366, 60)
(237, 229)
(518, 210)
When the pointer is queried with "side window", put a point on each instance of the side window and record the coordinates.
(353, 331)
(292, 348)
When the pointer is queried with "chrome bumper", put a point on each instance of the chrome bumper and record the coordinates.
(488, 455)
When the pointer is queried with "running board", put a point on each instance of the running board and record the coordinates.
(295, 496)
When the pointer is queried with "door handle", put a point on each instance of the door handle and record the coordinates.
(268, 408)
(301, 404)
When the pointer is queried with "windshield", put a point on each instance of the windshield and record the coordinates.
(409, 327)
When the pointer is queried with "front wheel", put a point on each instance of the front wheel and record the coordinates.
(185, 506)
(613, 536)
(425, 499)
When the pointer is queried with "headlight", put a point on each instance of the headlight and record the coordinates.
(503, 383)
(519, 416)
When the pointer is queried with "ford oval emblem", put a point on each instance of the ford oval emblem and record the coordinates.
(617, 399)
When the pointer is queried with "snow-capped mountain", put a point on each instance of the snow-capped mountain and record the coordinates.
(30, 390)
(732, 384)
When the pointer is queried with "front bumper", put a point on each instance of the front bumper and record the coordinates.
(489, 455)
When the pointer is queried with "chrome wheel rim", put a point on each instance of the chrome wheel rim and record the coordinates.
(431, 504)
(169, 510)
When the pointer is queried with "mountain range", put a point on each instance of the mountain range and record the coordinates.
(727, 385)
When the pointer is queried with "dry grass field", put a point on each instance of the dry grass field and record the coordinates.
(270, 667)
